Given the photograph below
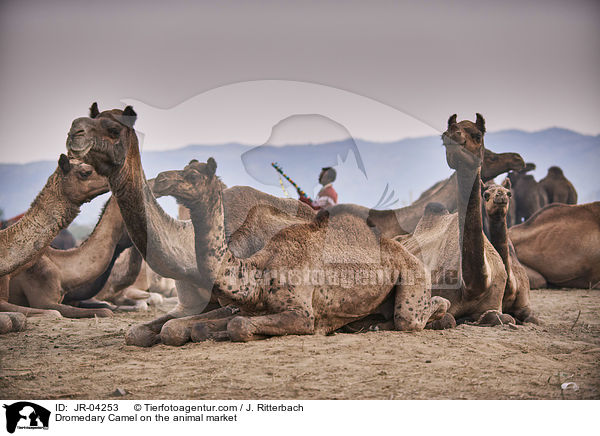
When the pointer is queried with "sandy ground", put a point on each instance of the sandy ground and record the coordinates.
(88, 359)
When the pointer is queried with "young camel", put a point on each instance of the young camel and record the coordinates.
(294, 284)
(108, 142)
(44, 284)
(465, 267)
(72, 184)
(516, 294)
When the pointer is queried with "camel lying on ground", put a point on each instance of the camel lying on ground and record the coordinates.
(516, 293)
(72, 184)
(298, 283)
(108, 142)
(466, 268)
(560, 246)
(44, 283)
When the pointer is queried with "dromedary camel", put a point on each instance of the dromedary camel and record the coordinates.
(529, 196)
(295, 284)
(402, 221)
(516, 294)
(465, 267)
(560, 245)
(108, 141)
(44, 284)
(558, 188)
(72, 184)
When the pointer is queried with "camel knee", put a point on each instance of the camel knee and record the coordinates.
(175, 333)
(141, 336)
(241, 329)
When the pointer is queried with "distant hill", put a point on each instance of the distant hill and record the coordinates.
(407, 167)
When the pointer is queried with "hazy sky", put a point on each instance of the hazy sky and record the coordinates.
(522, 64)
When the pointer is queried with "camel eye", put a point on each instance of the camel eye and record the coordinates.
(476, 137)
(509, 194)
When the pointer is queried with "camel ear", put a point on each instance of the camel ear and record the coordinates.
(64, 164)
(94, 112)
(506, 183)
(480, 122)
(129, 116)
(212, 166)
(529, 166)
(452, 120)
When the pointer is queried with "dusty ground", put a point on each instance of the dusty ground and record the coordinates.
(87, 359)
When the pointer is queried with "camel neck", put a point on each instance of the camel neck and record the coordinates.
(499, 237)
(86, 262)
(49, 213)
(471, 230)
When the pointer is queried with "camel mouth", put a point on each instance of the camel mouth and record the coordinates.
(77, 146)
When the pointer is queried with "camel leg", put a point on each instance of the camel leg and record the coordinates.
(5, 306)
(12, 322)
(413, 305)
(192, 301)
(211, 330)
(491, 318)
(92, 303)
(536, 280)
(290, 322)
(178, 331)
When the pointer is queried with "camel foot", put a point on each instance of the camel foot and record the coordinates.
(493, 318)
(6, 324)
(441, 308)
(445, 322)
(141, 336)
(241, 329)
(203, 332)
(526, 315)
(103, 313)
(19, 321)
(175, 333)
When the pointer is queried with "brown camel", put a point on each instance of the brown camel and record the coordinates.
(108, 142)
(72, 184)
(560, 246)
(558, 188)
(296, 283)
(516, 293)
(529, 197)
(44, 284)
(465, 267)
(404, 220)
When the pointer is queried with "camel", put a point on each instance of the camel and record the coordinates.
(560, 246)
(108, 142)
(43, 284)
(72, 184)
(516, 293)
(295, 283)
(404, 220)
(558, 188)
(465, 267)
(529, 196)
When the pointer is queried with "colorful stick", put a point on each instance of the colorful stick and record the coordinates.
(280, 171)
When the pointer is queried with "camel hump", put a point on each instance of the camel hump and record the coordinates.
(555, 171)
(435, 209)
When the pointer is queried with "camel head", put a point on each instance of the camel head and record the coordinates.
(195, 184)
(496, 198)
(103, 138)
(495, 164)
(464, 143)
(79, 182)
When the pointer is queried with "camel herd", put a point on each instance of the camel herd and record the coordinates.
(248, 265)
